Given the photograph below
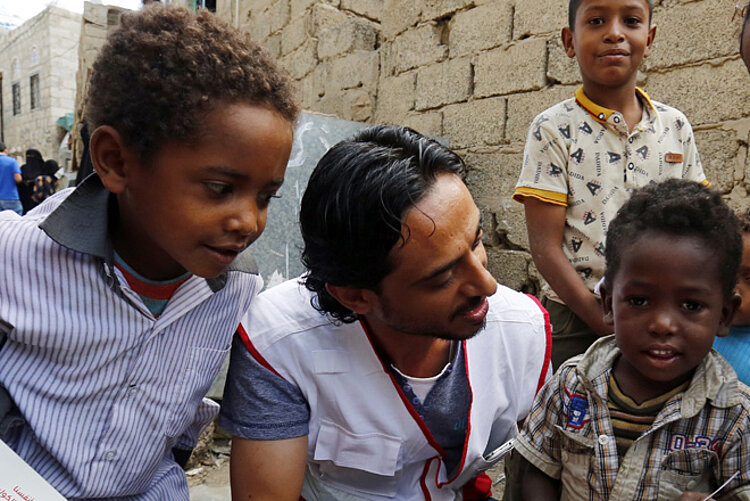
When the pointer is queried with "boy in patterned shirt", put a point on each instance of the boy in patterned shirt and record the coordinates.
(651, 412)
(586, 154)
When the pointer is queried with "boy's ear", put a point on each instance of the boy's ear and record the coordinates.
(727, 314)
(111, 156)
(606, 296)
(360, 301)
(651, 36)
(567, 40)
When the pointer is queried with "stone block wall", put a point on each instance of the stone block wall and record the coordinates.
(476, 72)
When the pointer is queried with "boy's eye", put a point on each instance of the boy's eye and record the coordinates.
(636, 301)
(221, 189)
(265, 198)
(596, 20)
(632, 21)
(693, 306)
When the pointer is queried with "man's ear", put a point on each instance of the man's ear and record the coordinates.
(360, 301)
(606, 296)
(111, 156)
(567, 41)
(727, 314)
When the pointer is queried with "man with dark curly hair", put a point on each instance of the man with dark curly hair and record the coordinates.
(120, 298)
(397, 367)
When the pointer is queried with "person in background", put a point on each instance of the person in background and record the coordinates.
(33, 168)
(585, 155)
(10, 178)
(119, 298)
(736, 346)
(651, 413)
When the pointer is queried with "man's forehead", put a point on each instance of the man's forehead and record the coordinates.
(434, 232)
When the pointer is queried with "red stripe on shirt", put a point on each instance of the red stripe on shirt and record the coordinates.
(254, 352)
(548, 349)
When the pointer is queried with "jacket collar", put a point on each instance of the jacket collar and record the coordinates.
(714, 378)
(83, 222)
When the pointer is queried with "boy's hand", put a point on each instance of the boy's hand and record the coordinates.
(694, 496)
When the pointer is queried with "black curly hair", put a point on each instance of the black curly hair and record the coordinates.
(354, 204)
(164, 68)
(744, 220)
(573, 10)
(682, 208)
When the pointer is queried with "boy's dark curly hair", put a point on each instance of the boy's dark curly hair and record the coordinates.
(164, 68)
(744, 220)
(573, 10)
(681, 208)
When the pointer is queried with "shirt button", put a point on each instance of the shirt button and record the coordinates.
(691, 485)
(132, 391)
(631, 166)
(617, 120)
(602, 116)
(630, 139)
(109, 455)
(603, 439)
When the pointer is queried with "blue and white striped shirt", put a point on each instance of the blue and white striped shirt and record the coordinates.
(107, 390)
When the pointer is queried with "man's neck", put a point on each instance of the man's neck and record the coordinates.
(623, 99)
(416, 355)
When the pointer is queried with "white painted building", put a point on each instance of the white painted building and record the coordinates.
(38, 63)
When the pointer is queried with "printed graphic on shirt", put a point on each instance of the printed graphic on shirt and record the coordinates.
(576, 410)
(680, 442)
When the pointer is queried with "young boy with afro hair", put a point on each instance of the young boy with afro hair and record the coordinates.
(586, 154)
(652, 412)
(120, 298)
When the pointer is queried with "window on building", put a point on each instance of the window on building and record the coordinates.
(206, 4)
(34, 56)
(16, 99)
(34, 85)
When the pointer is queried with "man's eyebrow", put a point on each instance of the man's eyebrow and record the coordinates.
(448, 266)
(479, 225)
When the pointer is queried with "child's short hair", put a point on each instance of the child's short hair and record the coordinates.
(744, 219)
(573, 8)
(681, 208)
(164, 68)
